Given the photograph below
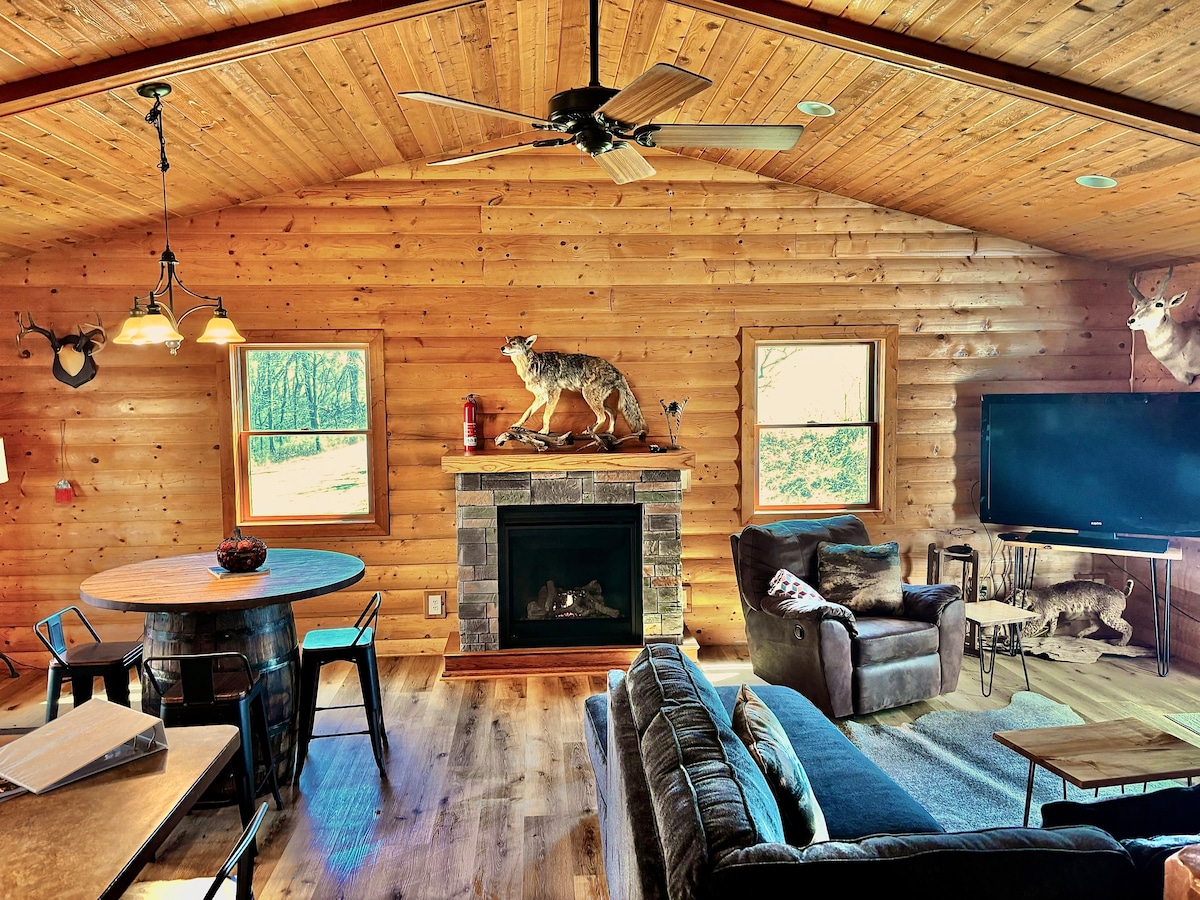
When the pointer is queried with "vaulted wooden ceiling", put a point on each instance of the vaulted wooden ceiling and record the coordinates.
(975, 114)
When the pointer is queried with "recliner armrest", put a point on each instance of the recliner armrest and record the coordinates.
(793, 608)
(925, 602)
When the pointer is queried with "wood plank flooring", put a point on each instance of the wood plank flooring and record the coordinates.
(490, 791)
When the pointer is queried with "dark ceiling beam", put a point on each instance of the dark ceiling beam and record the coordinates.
(958, 65)
(207, 50)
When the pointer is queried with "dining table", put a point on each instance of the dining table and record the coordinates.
(193, 606)
(90, 839)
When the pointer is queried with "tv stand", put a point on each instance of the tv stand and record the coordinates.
(1152, 549)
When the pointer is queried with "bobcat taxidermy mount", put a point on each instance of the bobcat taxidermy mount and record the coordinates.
(1075, 598)
(548, 374)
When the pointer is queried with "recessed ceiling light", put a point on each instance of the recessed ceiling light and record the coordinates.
(1096, 181)
(815, 108)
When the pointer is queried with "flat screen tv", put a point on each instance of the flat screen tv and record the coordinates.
(1100, 464)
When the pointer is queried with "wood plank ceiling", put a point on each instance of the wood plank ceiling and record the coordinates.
(275, 96)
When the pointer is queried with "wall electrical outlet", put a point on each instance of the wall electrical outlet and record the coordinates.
(435, 604)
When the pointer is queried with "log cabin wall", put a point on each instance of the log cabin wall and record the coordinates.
(657, 276)
(1150, 375)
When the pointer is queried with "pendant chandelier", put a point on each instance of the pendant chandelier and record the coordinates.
(153, 319)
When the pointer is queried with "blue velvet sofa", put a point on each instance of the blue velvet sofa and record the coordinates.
(685, 814)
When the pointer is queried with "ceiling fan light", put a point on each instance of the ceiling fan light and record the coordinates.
(816, 108)
(1100, 182)
(220, 330)
(157, 329)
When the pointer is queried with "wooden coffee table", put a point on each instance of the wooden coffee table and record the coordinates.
(1102, 754)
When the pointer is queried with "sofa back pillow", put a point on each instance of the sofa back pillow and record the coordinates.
(865, 578)
(709, 797)
(662, 675)
(765, 738)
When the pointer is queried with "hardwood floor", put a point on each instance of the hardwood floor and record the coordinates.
(490, 791)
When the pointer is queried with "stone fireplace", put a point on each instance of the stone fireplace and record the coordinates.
(561, 482)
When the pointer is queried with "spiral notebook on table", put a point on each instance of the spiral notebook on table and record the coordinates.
(91, 738)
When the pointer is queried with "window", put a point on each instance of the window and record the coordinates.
(818, 421)
(310, 446)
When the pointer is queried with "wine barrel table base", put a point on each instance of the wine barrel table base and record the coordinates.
(189, 611)
(266, 636)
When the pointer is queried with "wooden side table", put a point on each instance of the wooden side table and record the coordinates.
(995, 614)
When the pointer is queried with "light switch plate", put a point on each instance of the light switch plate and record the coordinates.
(435, 604)
(687, 598)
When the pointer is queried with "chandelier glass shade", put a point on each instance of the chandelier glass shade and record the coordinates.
(153, 319)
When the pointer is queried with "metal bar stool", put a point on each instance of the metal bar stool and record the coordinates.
(357, 645)
(209, 694)
(111, 660)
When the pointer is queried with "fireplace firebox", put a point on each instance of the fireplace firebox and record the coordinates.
(570, 576)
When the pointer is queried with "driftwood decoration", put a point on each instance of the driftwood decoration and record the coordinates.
(535, 439)
(603, 441)
(1079, 650)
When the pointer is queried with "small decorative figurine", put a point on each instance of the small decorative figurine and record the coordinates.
(673, 413)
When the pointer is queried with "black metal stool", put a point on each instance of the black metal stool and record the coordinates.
(84, 662)
(207, 694)
(357, 645)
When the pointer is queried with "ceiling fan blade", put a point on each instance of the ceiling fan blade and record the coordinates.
(656, 90)
(500, 151)
(441, 100)
(624, 164)
(741, 137)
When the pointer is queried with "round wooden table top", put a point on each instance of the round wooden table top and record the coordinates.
(185, 584)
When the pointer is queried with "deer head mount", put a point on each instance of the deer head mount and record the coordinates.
(1174, 344)
(73, 353)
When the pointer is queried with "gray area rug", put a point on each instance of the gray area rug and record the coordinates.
(949, 763)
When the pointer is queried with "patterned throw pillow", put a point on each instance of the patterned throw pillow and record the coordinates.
(764, 737)
(866, 579)
(785, 584)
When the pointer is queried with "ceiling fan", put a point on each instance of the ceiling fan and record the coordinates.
(604, 122)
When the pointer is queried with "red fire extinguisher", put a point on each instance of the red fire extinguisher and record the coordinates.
(470, 424)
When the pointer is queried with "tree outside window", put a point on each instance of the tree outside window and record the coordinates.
(309, 450)
(816, 433)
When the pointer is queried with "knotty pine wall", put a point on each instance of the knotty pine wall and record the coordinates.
(1150, 375)
(656, 276)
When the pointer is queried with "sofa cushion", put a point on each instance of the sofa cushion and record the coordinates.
(1169, 811)
(792, 544)
(865, 578)
(840, 775)
(703, 782)
(662, 675)
(882, 639)
(993, 864)
(764, 737)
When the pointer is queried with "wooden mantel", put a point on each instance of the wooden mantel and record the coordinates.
(502, 461)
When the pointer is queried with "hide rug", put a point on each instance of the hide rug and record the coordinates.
(949, 763)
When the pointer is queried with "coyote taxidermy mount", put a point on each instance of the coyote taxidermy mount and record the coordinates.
(548, 374)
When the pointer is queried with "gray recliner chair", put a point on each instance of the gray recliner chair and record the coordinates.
(845, 666)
